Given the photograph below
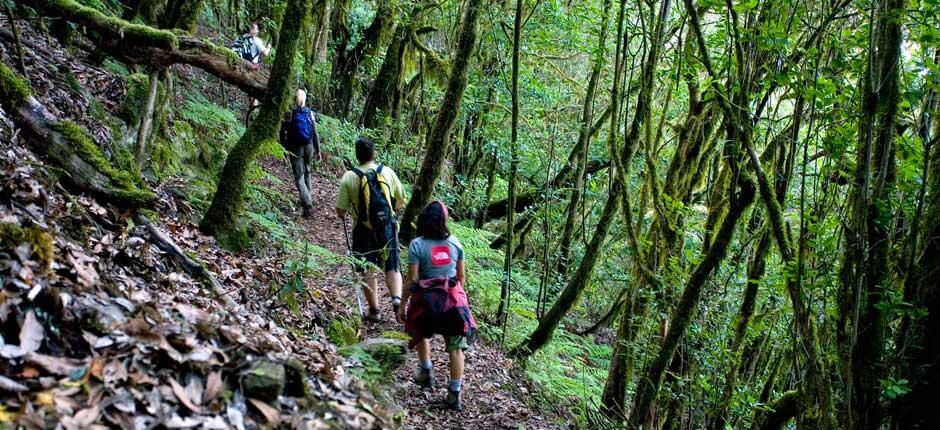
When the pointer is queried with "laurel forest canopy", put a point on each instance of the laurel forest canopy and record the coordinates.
(677, 213)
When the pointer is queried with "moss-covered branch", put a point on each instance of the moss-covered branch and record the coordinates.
(69, 147)
(140, 44)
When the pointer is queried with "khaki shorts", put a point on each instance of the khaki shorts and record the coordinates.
(453, 343)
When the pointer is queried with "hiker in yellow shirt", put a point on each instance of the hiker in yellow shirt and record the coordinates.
(373, 193)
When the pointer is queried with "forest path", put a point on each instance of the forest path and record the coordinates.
(493, 387)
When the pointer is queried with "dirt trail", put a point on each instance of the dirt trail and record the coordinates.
(495, 393)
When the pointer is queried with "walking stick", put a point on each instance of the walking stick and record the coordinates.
(352, 266)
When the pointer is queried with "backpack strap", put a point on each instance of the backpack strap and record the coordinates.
(358, 172)
(378, 170)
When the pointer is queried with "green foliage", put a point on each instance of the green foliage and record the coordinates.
(343, 331)
(40, 242)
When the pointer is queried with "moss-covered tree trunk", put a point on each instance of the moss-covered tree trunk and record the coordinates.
(740, 196)
(868, 239)
(438, 145)
(387, 84)
(222, 217)
(348, 59)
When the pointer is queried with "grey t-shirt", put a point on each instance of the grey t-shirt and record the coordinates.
(435, 258)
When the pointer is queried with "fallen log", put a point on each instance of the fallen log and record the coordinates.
(141, 44)
(70, 148)
(191, 266)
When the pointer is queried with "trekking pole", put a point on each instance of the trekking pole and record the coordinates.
(352, 266)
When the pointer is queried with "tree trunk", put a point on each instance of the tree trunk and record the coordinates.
(379, 102)
(613, 397)
(502, 311)
(222, 217)
(439, 140)
(488, 194)
(146, 119)
(584, 142)
(741, 195)
(868, 243)
(347, 61)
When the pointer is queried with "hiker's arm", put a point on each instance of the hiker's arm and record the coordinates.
(406, 291)
(315, 137)
(461, 273)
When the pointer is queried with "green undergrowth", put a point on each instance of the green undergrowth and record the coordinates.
(571, 369)
(13, 89)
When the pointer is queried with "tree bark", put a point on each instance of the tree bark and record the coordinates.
(868, 242)
(438, 145)
(347, 60)
(222, 216)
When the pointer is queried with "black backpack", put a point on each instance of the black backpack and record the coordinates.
(300, 130)
(375, 205)
(244, 47)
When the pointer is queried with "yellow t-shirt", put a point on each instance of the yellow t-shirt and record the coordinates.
(349, 188)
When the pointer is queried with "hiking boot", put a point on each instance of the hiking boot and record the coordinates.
(396, 304)
(308, 212)
(424, 378)
(453, 400)
(372, 316)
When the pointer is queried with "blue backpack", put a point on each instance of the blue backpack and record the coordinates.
(301, 127)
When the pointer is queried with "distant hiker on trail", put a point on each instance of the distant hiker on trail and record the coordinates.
(438, 303)
(250, 46)
(372, 192)
(300, 137)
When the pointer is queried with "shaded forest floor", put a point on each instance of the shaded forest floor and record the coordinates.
(495, 392)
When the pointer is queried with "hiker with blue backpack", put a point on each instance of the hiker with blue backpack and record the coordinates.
(373, 193)
(300, 137)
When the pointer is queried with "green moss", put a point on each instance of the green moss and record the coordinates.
(13, 89)
(40, 242)
(236, 239)
(232, 56)
(343, 331)
(116, 27)
(128, 186)
(391, 334)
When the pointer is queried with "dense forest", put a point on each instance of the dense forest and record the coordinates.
(676, 214)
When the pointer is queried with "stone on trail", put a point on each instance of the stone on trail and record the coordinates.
(264, 380)
(389, 352)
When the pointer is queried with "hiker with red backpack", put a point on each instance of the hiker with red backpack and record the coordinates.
(435, 300)
(373, 193)
(300, 137)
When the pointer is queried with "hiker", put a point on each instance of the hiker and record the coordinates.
(373, 193)
(300, 137)
(250, 47)
(438, 303)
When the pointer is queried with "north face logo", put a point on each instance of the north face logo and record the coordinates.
(440, 255)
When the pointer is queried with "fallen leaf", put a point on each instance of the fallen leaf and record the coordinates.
(31, 333)
(270, 414)
(55, 365)
(181, 394)
(12, 386)
(213, 385)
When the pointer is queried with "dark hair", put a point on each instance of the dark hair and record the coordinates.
(365, 150)
(432, 222)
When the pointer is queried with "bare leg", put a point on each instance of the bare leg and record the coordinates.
(371, 291)
(456, 364)
(393, 282)
(424, 350)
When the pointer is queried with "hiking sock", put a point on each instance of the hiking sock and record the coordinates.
(454, 385)
(425, 364)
